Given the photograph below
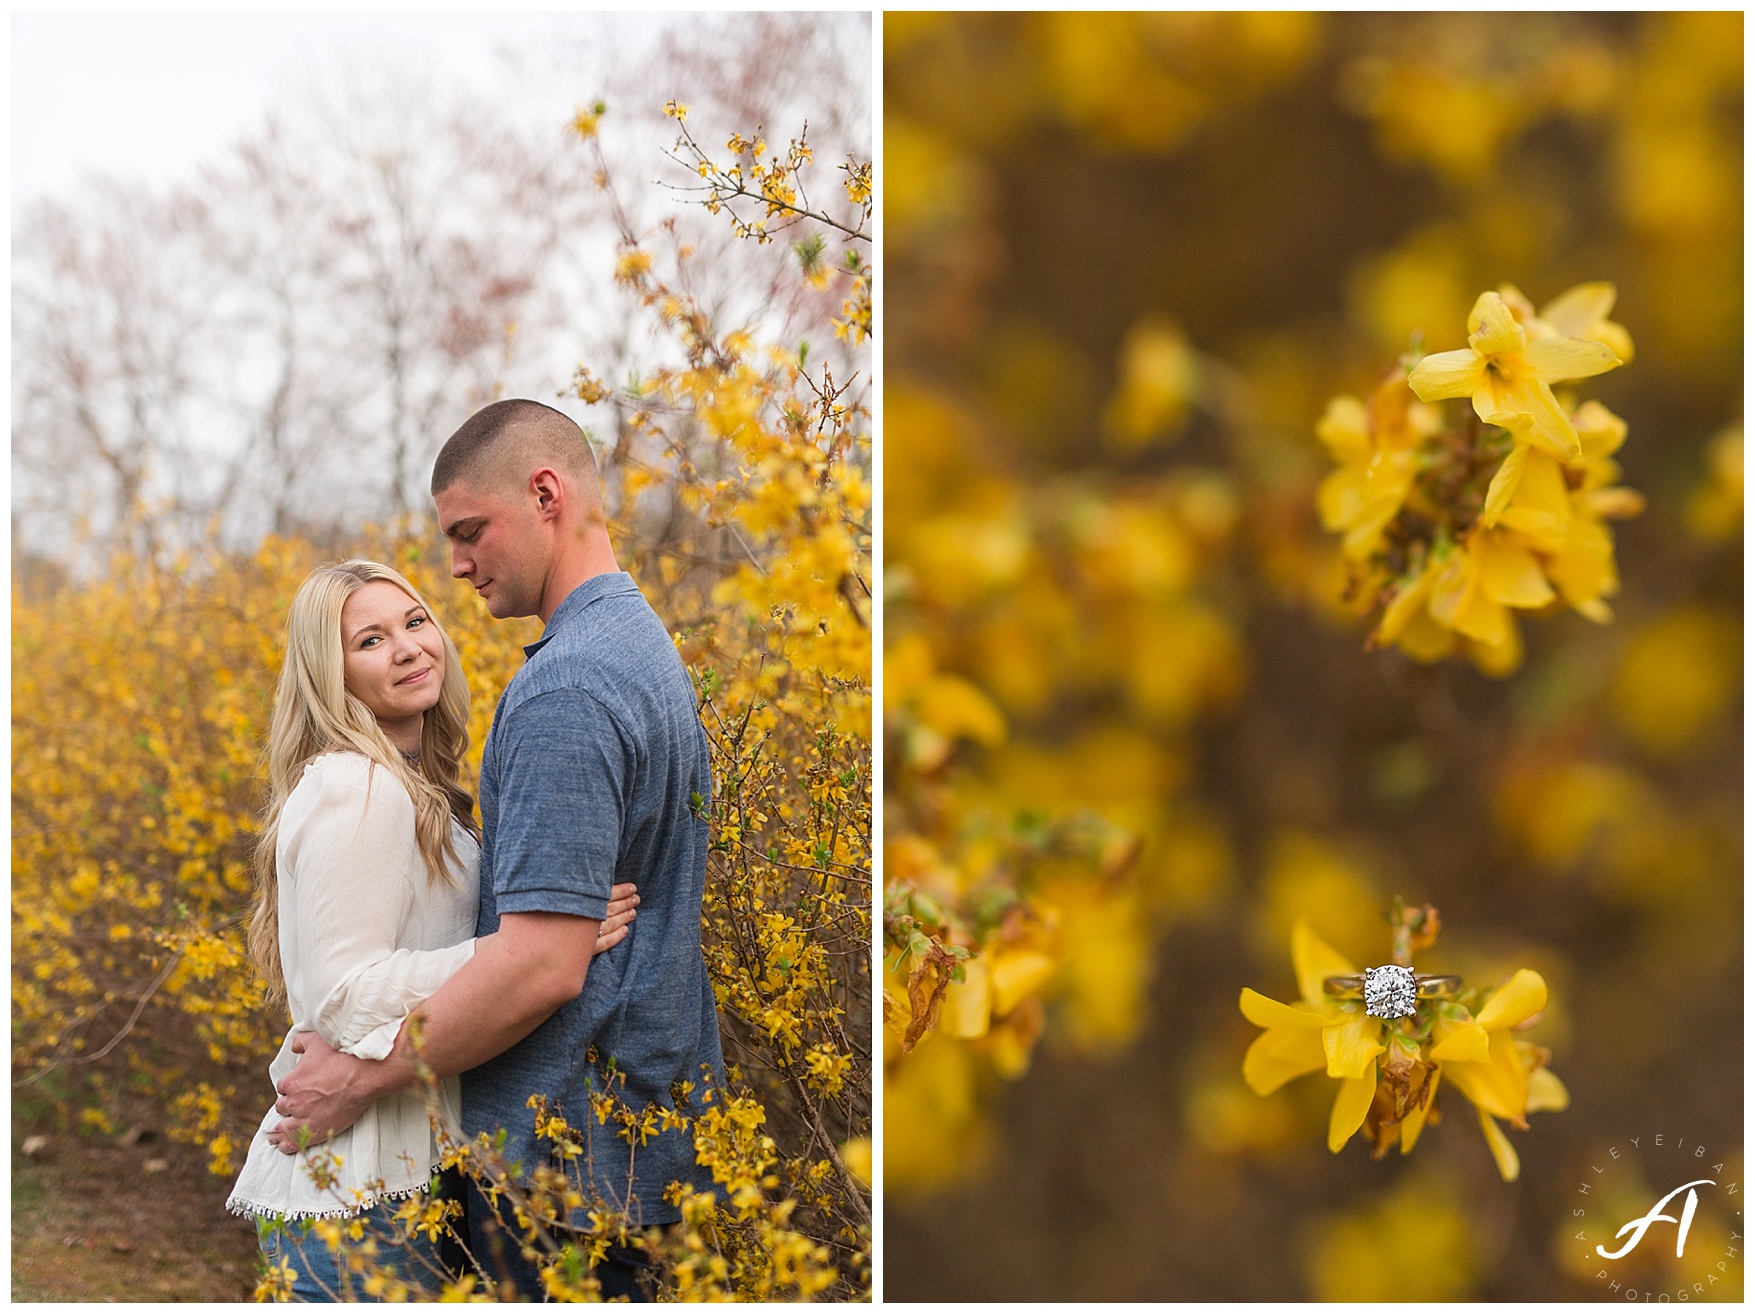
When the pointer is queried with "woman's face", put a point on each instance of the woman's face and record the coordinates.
(393, 659)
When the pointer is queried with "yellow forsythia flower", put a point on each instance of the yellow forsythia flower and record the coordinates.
(1506, 374)
(1454, 527)
(1391, 1069)
(1316, 1032)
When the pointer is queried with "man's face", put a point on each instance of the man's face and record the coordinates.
(495, 545)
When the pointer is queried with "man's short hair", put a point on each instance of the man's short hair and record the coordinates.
(501, 444)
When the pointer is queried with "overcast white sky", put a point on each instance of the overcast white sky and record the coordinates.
(149, 96)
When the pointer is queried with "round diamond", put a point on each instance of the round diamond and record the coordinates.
(1389, 992)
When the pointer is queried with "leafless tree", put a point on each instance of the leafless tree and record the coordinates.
(108, 332)
(282, 343)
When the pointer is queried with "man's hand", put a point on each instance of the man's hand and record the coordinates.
(519, 975)
(325, 1093)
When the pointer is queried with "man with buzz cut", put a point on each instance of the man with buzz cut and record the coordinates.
(592, 774)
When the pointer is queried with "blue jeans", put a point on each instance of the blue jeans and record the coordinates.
(319, 1270)
(625, 1273)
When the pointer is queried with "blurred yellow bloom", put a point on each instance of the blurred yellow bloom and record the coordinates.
(586, 120)
(1316, 1032)
(932, 709)
(1437, 110)
(1146, 81)
(1716, 511)
(1601, 433)
(1506, 375)
(1467, 594)
(1018, 974)
(1492, 571)
(856, 1154)
(631, 266)
(1310, 879)
(1412, 1245)
(933, 1128)
(1374, 447)
(1159, 376)
(1106, 964)
(1408, 622)
(1558, 811)
(1676, 678)
(968, 1003)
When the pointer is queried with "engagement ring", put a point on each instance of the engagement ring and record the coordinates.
(1390, 992)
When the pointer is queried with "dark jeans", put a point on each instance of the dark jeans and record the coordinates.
(625, 1273)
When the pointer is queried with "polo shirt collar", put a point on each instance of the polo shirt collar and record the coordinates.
(573, 605)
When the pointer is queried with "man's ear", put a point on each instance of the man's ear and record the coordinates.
(548, 490)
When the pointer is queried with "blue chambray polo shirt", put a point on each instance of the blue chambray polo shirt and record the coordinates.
(586, 778)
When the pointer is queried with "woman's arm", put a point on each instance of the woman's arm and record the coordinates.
(358, 879)
(355, 878)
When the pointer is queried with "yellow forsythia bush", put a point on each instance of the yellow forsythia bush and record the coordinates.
(739, 498)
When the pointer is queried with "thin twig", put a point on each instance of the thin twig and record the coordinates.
(139, 1008)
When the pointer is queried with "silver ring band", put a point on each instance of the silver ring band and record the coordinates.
(1429, 987)
(1391, 991)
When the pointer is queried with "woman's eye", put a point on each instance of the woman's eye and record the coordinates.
(416, 620)
(368, 642)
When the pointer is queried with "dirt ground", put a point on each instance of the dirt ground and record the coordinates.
(94, 1219)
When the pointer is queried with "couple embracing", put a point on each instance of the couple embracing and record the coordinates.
(515, 944)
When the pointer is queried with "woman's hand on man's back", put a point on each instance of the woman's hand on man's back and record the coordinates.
(618, 921)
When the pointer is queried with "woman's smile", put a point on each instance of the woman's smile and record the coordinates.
(393, 658)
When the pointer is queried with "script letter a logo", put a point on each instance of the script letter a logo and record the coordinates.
(1639, 1225)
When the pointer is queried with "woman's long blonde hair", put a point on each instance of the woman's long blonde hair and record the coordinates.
(314, 713)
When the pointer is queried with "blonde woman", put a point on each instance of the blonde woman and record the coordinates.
(367, 891)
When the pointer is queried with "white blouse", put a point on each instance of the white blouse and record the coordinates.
(365, 935)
